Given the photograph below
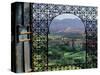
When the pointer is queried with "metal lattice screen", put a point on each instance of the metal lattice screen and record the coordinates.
(42, 15)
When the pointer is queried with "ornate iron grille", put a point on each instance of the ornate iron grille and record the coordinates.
(42, 15)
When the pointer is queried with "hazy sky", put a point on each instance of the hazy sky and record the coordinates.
(67, 23)
(66, 16)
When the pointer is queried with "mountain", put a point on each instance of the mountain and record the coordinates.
(67, 26)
